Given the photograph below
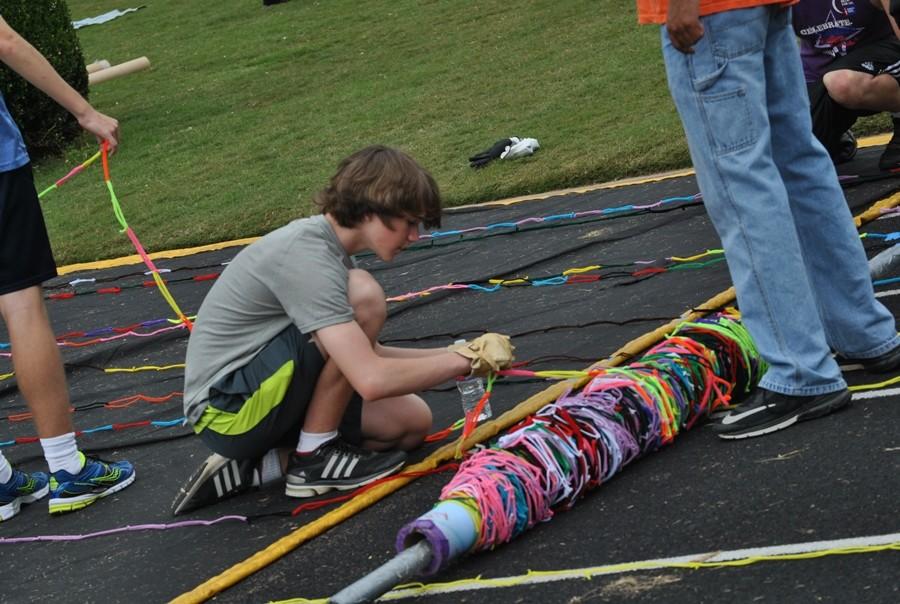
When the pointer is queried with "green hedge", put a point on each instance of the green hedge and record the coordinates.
(46, 24)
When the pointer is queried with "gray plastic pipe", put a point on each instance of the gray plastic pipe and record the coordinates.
(406, 565)
(884, 262)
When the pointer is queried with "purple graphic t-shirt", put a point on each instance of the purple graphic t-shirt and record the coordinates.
(831, 28)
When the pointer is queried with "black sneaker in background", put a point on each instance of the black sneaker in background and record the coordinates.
(338, 465)
(219, 478)
(847, 147)
(883, 363)
(766, 411)
(890, 158)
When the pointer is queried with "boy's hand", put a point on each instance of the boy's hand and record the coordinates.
(102, 126)
(487, 353)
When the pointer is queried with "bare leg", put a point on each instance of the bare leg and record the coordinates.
(396, 422)
(857, 90)
(399, 422)
(333, 391)
(37, 362)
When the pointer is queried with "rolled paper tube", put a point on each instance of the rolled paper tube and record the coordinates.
(118, 70)
(98, 66)
(448, 528)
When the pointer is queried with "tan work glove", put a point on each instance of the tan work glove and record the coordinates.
(488, 352)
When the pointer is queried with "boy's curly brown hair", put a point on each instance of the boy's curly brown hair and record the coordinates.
(382, 181)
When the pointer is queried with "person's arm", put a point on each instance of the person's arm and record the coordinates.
(396, 352)
(25, 60)
(886, 5)
(683, 24)
(374, 376)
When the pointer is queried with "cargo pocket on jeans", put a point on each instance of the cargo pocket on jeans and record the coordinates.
(730, 122)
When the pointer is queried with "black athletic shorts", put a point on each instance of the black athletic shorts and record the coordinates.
(874, 58)
(25, 255)
(829, 119)
(262, 405)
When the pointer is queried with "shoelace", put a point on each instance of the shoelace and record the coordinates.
(344, 448)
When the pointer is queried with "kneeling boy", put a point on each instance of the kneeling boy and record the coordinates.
(284, 372)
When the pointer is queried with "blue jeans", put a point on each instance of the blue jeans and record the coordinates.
(771, 191)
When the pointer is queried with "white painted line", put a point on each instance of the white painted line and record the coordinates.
(876, 393)
(611, 569)
(886, 293)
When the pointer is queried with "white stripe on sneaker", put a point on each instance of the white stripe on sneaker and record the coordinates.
(218, 483)
(760, 431)
(351, 466)
(235, 473)
(735, 417)
(340, 466)
(326, 473)
(226, 478)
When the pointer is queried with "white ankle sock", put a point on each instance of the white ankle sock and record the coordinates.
(5, 470)
(61, 453)
(269, 469)
(310, 441)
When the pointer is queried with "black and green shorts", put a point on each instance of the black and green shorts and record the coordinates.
(262, 405)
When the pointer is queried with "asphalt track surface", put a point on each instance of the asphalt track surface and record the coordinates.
(835, 478)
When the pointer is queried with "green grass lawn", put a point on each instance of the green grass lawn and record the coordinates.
(246, 110)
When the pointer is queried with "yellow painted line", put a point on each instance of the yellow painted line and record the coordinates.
(874, 141)
(135, 259)
(613, 184)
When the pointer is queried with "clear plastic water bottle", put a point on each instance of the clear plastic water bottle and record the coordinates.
(471, 389)
(470, 392)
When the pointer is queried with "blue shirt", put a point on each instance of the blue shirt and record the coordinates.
(13, 153)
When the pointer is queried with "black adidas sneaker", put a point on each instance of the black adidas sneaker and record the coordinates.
(219, 478)
(338, 465)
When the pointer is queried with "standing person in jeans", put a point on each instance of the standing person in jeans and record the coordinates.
(771, 191)
(26, 261)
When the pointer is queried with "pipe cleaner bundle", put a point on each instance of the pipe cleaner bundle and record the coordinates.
(549, 460)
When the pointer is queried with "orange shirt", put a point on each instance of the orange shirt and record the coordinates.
(654, 11)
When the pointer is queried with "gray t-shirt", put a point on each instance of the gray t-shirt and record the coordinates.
(297, 274)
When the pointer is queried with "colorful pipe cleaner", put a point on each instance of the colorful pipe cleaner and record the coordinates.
(516, 225)
(103, 154)
(578, 275)
(146, 423)
(580, 441)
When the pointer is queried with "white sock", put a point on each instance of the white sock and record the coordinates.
(61, 453)
(269, 470)
(5, 470)
(310, 441)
